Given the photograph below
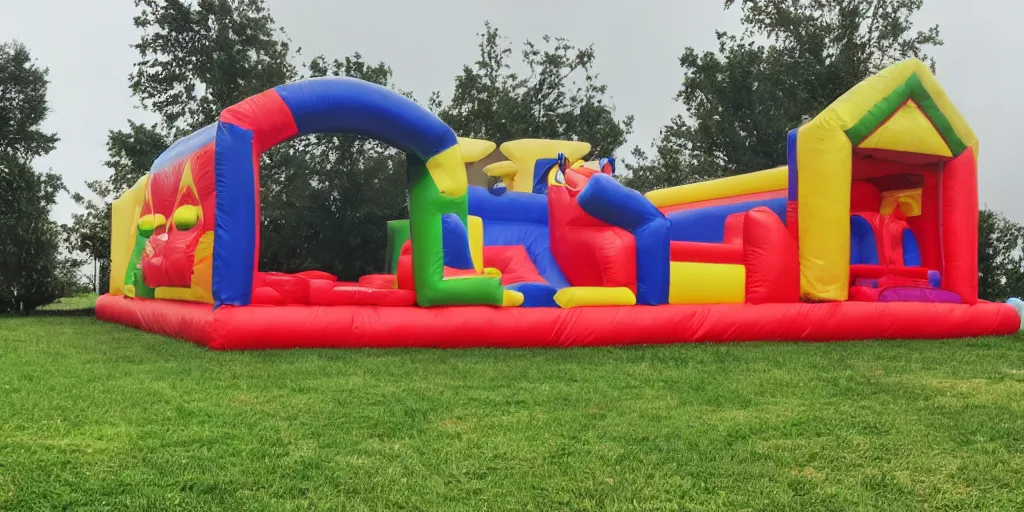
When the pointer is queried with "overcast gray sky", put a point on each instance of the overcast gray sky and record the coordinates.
(85, 44)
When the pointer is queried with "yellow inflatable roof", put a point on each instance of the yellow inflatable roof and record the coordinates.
(901, 108)
(474, 150)
(525, 153)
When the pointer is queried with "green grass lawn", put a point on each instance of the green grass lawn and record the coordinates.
(79, 302)
(100, 417)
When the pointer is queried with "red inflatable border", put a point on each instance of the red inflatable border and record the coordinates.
(278, 327)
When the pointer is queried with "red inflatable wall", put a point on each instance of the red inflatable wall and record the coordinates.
(267, 327)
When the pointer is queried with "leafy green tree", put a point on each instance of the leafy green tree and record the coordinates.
(197, 58)
(793, 58)
(130, 154)
(33, 269)
(1000, 257)
(558, 96)
(89, 232)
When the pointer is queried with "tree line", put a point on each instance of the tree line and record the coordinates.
(326, 198)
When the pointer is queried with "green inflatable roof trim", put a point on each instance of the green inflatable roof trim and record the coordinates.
(912, 89)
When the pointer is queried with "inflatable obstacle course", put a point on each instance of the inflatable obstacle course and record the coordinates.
(868, 231)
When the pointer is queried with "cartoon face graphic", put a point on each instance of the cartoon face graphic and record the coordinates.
(173, 250)
(169, 255)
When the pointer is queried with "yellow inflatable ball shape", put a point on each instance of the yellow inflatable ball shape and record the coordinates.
(149, 223)
(186, 217)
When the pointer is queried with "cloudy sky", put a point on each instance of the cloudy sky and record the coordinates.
(85, 44)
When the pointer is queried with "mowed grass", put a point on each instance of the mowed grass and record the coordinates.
(80, 302)
(101, 417)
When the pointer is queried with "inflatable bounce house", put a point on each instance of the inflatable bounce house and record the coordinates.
(869, 231)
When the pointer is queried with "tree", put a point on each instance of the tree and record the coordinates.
(89, 232)
(1000, 257)
(33, 271)
(741, 100)
(559, 97)
(130, 154)
(198, 58)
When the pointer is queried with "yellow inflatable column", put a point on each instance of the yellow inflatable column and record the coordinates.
(124, 216)
(824, 161)
(476, 241)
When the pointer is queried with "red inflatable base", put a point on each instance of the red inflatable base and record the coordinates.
(275, 327)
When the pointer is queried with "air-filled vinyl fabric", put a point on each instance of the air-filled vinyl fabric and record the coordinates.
(398, 234)
(266, 115)
(960, 226)
(926, 225)
(589, 251)
(749, 183)
(524, 153)
(605, 199)
(192, 321)
(744, 198)
(234, 248)
(708, 224)
(475, 225)
(702, 252)
(911, 251)
(771, 259)
(596, 256)
(734, 228)
(427, 204)
(534, 239)
(706, 283)
(824, 157)
(792, 219)
(123, 226)
(536, 295)
(349, 105)
(792, 171)
(327, 293)
(518, 218)
(514, 264)
(865, 197)
(863, 244)
(908, 130)
(909, 201)
(457, 253)
(577, 296)
(541, 168)
(185, 146)
(258, 327)
(509, 207)
(652, 262)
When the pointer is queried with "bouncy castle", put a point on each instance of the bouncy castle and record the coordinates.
(869, 230)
